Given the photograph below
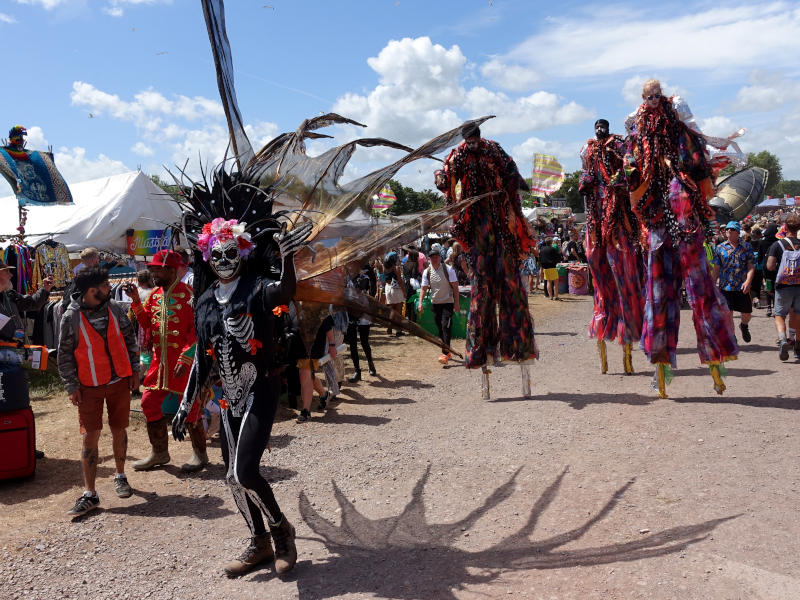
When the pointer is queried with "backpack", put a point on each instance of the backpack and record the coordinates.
(789, 269)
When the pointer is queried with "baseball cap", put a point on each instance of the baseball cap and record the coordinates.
(166, 258)
(733, 225)
(436, 249)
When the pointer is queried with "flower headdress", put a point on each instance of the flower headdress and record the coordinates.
(220, 230)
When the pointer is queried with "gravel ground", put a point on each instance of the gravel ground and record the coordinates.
(412, 487)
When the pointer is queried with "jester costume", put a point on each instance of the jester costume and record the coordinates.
(670, 184)
(168, 317)
(612, 245)
(495, 236)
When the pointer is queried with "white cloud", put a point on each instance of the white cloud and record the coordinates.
(4, 18)
(45, 4)
(509, 76)
(767, 92)
(419, 95)
(36, 139)
(537, 111)
(75, 166)
(622, 38)
(719, 126)
(116, 8)
(147, 107)
(142, 149)
(632, 88)
(564, 151)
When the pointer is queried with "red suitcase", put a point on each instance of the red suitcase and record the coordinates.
(17, 441)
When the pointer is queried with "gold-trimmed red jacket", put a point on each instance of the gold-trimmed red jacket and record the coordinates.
(169, 316)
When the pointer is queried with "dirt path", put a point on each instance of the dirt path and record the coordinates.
(412, 487)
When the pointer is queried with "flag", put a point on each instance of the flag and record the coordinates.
(384, 199)
(548, 175)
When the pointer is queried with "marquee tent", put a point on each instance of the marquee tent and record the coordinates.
(104, 209)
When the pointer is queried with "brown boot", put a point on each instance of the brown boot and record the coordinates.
(285, 549)
(159, 454)
(259, 551)
(199, 456)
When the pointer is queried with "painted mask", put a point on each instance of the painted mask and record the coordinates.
(226, 259)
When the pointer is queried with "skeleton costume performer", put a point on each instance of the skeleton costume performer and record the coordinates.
(495, 236)
(235, 327)
(612, 245)
(670, 184)
(167, 316)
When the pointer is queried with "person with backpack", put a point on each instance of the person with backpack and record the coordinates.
(442, 281)
(784, 259)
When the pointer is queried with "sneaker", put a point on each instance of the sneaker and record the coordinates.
(355, 378)
(745, 332)
(85, 504)
(304, 416)
(444, 358)
(122, 487)
(783, 353)
(373, 372)
(323, 400)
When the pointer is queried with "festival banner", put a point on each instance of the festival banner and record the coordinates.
(548, 175)
(385, 198)
(146, 242)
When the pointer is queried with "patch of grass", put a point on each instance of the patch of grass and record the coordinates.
(44, 384)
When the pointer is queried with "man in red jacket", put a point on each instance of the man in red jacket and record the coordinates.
(168, 315)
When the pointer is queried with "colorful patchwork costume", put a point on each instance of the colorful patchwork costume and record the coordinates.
(612, 247)
(670, 184)
(496, 236)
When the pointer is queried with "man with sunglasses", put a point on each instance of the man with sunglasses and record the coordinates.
(168, 315)
(670, 180)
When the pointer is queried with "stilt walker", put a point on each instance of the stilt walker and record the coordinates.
(612, 246)
(496, 236)
(669, 175)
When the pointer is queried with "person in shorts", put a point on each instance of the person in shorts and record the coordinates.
(787, 286)
(736, 262)
(98, 360)
(549, 257)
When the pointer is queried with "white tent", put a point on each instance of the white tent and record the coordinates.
(104, 209)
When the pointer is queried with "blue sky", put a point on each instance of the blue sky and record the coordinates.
(116, 84)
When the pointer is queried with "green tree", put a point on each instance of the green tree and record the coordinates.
(170, 188)
(770, 162)
(569, 190)
(790, 187)
(412, 201)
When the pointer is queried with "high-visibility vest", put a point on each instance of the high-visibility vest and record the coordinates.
(95, 357)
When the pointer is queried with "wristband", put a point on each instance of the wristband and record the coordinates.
(331, 345)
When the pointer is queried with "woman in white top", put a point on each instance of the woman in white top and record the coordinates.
(442, 282)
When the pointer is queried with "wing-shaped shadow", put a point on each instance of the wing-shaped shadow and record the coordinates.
(407, 557)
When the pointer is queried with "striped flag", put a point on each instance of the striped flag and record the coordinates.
(548, 175)
(384, 199)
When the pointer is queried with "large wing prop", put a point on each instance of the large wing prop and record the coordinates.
(738, 194)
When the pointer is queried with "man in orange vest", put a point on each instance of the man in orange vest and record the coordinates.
(168, 315)
(98, 359)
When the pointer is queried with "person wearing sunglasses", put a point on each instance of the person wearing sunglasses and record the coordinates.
(669, 175)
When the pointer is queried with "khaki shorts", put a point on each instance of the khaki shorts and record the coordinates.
(118, 404)
(308, 363)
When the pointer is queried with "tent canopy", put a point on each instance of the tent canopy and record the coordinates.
(104, 209)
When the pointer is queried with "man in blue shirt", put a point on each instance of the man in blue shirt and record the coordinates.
(735, 263)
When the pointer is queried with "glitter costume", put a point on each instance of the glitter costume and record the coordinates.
(612, 248)
(670, 184)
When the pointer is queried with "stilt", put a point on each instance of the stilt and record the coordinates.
(716, 375)
(627, 359)
(526, 380)
(485, 382)
(661, 378)
(601, 348)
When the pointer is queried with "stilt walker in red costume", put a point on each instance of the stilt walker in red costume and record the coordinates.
(669, 174)
(612, 245)
(168, 315)
(495, 235)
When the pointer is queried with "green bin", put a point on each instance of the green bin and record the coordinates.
(425, 320)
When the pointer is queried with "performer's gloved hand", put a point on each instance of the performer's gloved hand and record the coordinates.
(290, 242)
(179, 425)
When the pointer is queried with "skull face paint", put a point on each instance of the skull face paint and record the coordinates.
(226, 259)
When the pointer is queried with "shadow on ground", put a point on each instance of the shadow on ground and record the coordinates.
(349, 396)
(580, 401)
(405, 557)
